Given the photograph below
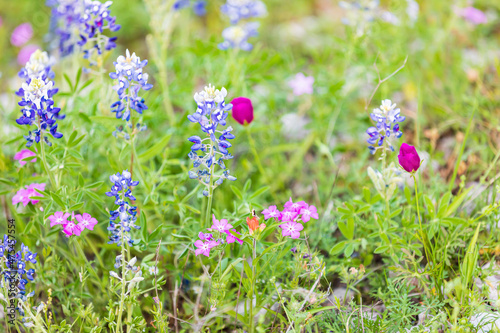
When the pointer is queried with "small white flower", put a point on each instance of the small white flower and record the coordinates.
(153, 270)
(113, 274)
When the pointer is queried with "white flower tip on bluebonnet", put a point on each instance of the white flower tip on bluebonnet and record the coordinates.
(126, 174)
(210, 94)
(38, 62)
(113, 274)
(412, 10)
(114, 178)
(132, 261)
(389, 18)
(36, 90)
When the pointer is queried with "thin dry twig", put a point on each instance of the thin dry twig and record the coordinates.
(380, 81)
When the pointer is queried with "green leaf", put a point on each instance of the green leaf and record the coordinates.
(247, 186)
(72, 138)
(259, 192)
(155, 149)
(381, 249)
(144, 227)
(347, 230)
(181, 237)
(248, 270)
(457, 202)
(338, 248)
(349, 250)
(95, 185)
(6, 181)
(230, 267)
(366, 194)
(236, 191)
(266, 251)
(58, 200)
(66, 77)
(94, 196)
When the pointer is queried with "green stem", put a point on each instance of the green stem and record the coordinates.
(122, 296)
(210, 188)
(46, 166)
(252, 290)
(422, 235)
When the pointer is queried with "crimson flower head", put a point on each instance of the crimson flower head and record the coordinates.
(242, 110)
(408, 158)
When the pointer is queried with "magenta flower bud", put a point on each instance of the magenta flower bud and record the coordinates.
(242, 110)
(408, 158)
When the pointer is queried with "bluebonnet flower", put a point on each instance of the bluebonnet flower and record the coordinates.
(237, 35)
(123, 219)
(65, 24)
(387, 118)
(238, 10)
(360, 13)
(199, 6)
(130, 80)
(13, 267)
(81, 23)
(212, 111)
(36, 93)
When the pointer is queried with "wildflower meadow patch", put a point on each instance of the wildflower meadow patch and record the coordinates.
(249, 166)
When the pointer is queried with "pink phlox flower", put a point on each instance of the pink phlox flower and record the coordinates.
(295, 206)
(24, 195)
(272, 212)
(24, 55)
(33, 193)
(221, 226)
(86, 221)
(292, 229)
(302, 84)
(21, 196)
(71, 229)
(207, 237)
(474, 15)
(308, 213)
(21, 34)
(231, 239)
(21, 155)
(204, 248)
(59, 218)
(288, 215)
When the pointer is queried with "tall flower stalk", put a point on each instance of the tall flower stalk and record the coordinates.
(387, 118)
(210, 113)
(38, 105)
(120, 231)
